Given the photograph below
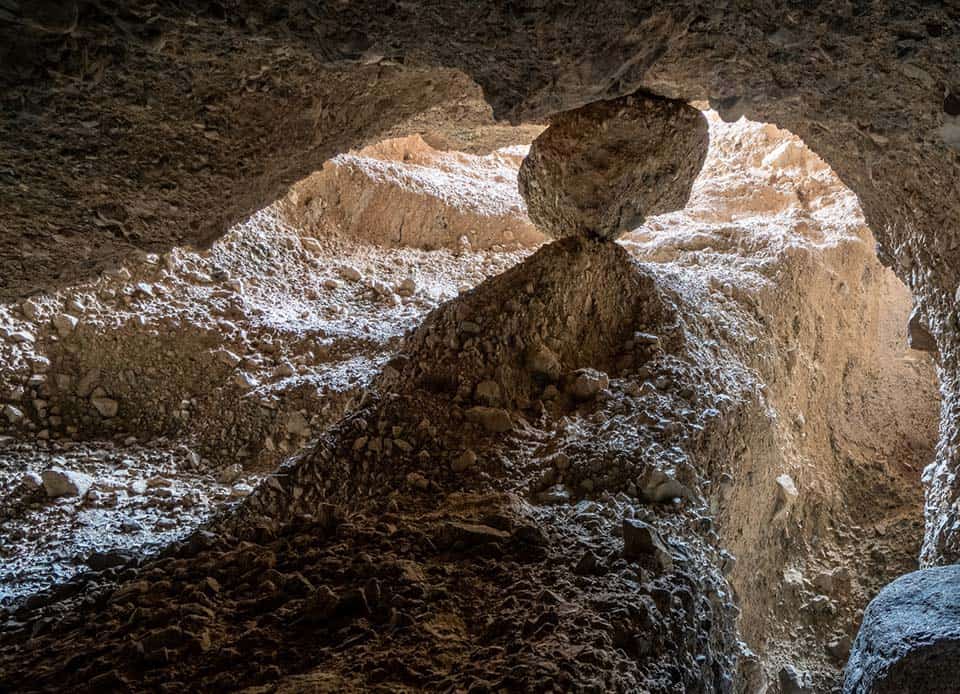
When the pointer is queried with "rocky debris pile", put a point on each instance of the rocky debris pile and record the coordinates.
(200, 348)
(403, 193)
(520, 353)
(244, 352)
(909, 642)
(247, 349)
(159, 348)
(479, 594)
(64, 505)
(601, 169)
(536, 332)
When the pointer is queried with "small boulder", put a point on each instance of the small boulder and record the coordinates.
(918, 336)
(245, 381)
(909, 640)
(472, 534)
(587, 383)
(297, 424)
(23, 337)
(30, 308)
(227, 358)
(839, 648)
(58, 482)
(240, 490)
(407, 287)
(107, 407)
(415, 479)
(793, 681)
(487, 392)
(659, 487)
(787, 494)
(230, 474)
(543, 362)
(31, 481)
(464, 461)
(641, 540)
(349, 273)
(492, 419)
(13, 414)
(99, 561)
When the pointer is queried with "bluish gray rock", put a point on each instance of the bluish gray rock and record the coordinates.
(909, 641)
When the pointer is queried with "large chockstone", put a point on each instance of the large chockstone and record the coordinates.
(909, 641)
(601, 169)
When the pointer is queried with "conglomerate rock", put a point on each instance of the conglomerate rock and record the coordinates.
(164, 122)
(601, 169)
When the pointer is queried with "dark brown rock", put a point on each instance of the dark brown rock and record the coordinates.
(642, 541)
(910, 637)
(918, 336)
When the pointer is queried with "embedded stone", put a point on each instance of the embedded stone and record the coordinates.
(587, 383)
(57, 482)
(492, 419)
(642, 540)
(918, 336)
(107, 407)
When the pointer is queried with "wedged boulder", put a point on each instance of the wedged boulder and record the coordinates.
(601, 169)
(909, 641)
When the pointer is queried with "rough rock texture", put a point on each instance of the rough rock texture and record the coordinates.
(918, 336)
(849, 415)
(909, 642)
(370, 563)
(164, 122)
(601, 169)
(274, 319)
(759, 339)
(216, 365)
(65, 483)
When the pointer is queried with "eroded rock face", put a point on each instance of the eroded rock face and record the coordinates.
(600, 170)
(917, 334)
(405, 193)
(909, 642)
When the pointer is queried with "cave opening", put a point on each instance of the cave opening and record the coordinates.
(141, 403)
(340, 449)
(818, 492)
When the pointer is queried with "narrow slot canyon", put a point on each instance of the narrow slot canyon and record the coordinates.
(334, 359)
